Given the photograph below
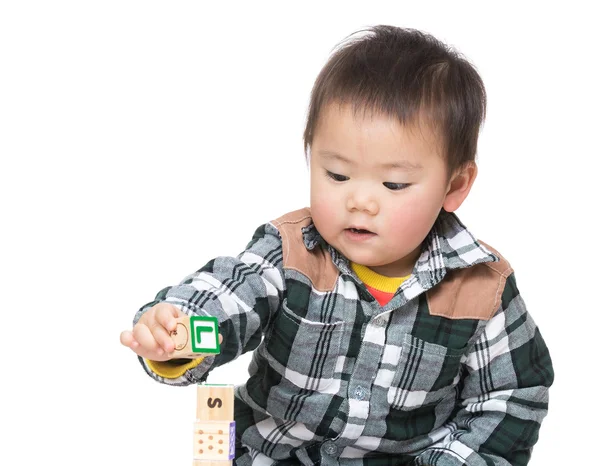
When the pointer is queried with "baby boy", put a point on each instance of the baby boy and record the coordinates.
(383, 331)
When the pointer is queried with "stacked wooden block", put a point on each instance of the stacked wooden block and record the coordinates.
(214, 429)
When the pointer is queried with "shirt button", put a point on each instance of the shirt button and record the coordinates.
(380, 322)
(360, 393)
(330, 449)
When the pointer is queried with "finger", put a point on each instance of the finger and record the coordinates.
(146, 340)
(127, 338)
(163, 338)
(166, 315)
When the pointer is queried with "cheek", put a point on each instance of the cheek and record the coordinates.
(323, 205)
(413, 221)
(323, 212)
(418, 212)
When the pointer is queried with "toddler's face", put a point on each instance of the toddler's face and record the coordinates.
(377, 188)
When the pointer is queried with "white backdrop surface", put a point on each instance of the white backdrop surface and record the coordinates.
(139, 139)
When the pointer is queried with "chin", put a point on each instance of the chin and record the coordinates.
(363, 259)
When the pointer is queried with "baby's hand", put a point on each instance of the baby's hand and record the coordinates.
(150, 337)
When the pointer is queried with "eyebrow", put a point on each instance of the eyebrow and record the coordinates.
(401, 164)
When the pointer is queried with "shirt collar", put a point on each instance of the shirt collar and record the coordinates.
(449, 245)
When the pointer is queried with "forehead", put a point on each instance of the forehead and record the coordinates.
(374, 135)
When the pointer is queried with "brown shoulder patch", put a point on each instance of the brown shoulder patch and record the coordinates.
(471, 293)
(316, 265)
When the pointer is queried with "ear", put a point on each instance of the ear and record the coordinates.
(459, 186)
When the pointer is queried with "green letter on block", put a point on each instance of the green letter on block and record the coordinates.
(205, 334)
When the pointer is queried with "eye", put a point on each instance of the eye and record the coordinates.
(336, 177)
(396, 186)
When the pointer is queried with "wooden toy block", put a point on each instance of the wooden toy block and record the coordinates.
(214, 429)
(214, 403)
(195, 337)
(214, 440)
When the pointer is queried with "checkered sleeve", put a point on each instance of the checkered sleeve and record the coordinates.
(504, 394)
(243, 292)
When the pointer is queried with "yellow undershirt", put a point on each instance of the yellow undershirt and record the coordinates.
(381, 287)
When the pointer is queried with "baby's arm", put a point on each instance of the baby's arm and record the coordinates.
(504, 395)
(241, 292)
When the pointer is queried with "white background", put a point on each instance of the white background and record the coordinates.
(139, 139)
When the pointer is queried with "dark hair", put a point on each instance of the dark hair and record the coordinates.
(405, 74)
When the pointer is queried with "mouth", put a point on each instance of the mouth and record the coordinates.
(358, 234)
(359, 231)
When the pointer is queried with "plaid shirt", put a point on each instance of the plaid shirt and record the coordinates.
(444, 374)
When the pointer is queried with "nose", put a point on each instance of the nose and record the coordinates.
(362, 201)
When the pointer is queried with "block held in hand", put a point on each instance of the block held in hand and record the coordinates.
(195, 337)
